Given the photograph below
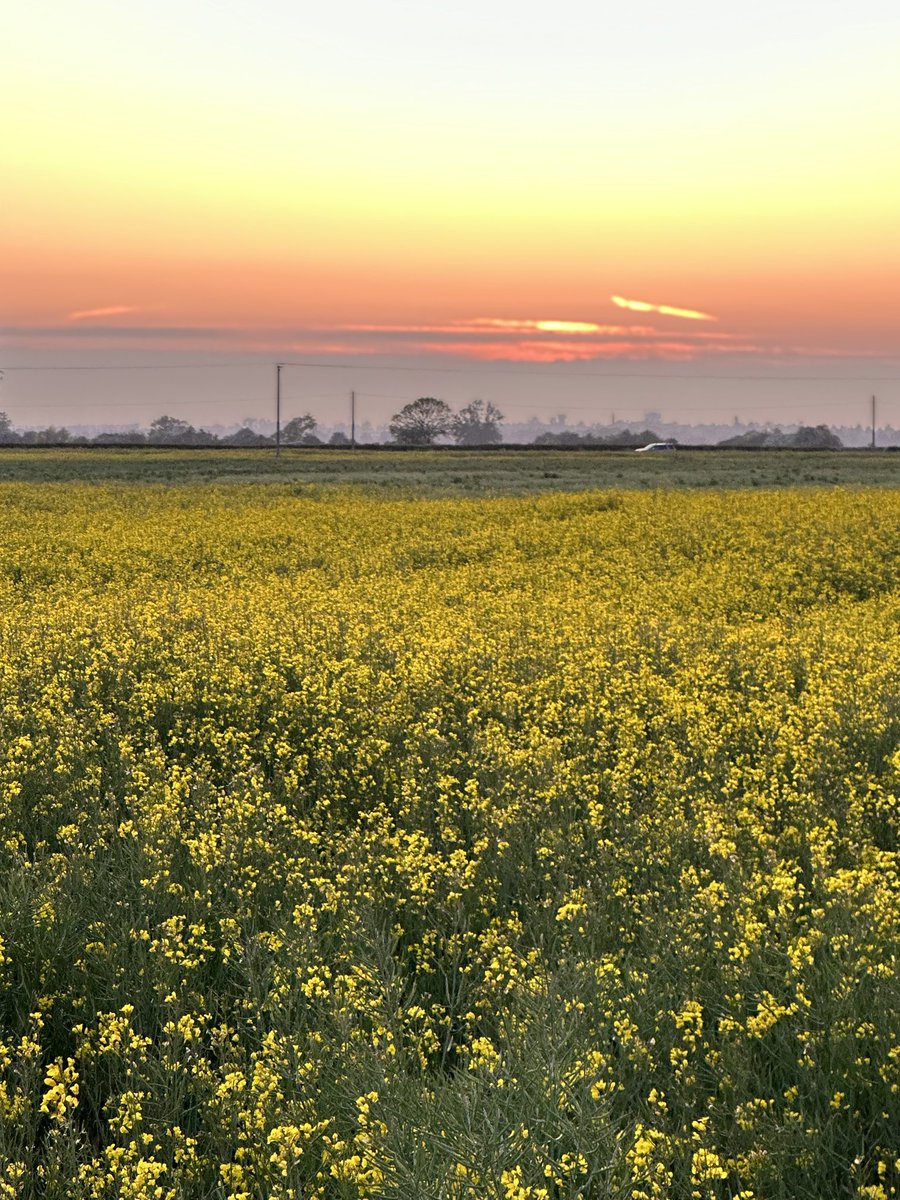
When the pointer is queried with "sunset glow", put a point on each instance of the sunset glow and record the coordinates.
(567, 327)
(665, 310)
(399, 180)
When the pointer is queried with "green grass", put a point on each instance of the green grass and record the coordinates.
(457, 472)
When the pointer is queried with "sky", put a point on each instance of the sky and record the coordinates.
(542, 206)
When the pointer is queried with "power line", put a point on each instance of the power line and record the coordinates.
(138, 366)
(482, 370)
(218, 400)
(597, 374)
(476, 370)
(562, 404)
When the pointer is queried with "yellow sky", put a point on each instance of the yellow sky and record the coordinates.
(258, 168)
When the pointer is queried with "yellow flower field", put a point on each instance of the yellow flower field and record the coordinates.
(534, 848)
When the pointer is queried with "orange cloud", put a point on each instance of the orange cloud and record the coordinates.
(537, 326)
(112, 310)
(562, 351)
(495, 325)
(523, 340)
(666, 310)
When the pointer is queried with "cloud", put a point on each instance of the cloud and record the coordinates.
(511, 339)
(478, 329)
(111, 310)
(532, 326)
(552, 350)
(500, 325)
(666, 310)
(538, 340)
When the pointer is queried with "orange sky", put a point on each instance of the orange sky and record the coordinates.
(250, 178)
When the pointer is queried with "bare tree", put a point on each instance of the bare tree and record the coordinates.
(478, 424)
(420, 422)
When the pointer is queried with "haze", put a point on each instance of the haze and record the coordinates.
(500, 201)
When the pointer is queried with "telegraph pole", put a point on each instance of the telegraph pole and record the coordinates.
(873, 422)
(278, 410)
(353, 420)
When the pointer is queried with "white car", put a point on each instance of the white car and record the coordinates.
(655, 446)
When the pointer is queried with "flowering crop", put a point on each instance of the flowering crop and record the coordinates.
(531, 848)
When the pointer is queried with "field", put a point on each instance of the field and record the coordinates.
(452, 472)
(368, 840)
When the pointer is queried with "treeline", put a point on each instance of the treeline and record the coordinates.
(422, 422)
(168, 431)
(807, 437)
(618, 437)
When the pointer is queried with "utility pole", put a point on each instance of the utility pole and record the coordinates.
(353, 420)
(873, 422)
(278, 410)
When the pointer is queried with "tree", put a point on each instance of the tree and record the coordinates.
(300, 429)
(165, 430)
(51, 436)
(478, 424)
(7, 433)
(420, 422)
(806, 437)
(817, 437)
(246, 436)
(751, 440)
(339, 438)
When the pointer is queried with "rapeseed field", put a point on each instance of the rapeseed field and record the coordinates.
(530, 848)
